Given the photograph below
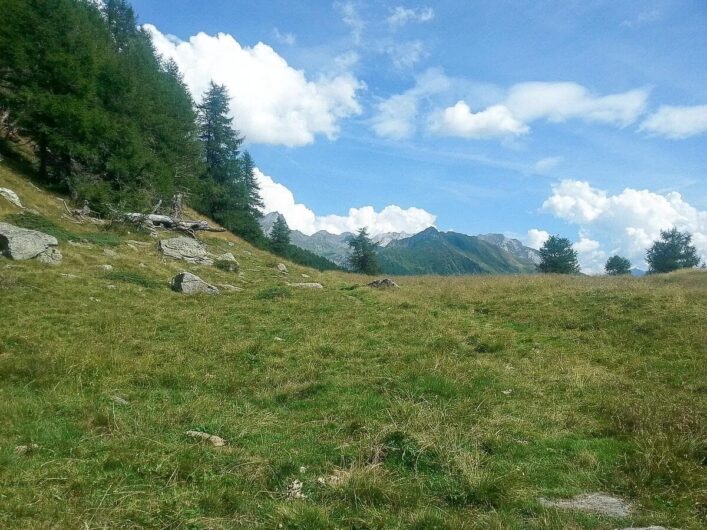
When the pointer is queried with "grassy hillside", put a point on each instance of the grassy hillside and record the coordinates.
(449, 403)
(448, 253)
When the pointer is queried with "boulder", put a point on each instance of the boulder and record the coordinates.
(188, 283)
(185, 248)
(282, 268)
(227, 262)
(307, 285)
(385, 283)
(227, 257)
(51, 256)
(11, 196)
(600, 503)
(20, 244)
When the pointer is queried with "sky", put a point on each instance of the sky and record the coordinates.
(586, 119)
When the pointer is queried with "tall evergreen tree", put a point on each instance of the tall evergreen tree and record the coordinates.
(558, 256)
(672, 251)
(279, 236)
(363, 254)
(254, 203)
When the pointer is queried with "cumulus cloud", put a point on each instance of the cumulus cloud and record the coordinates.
(525, 103)
(536, 238)
(401, 16)
(459, 120)
(559, 102)
(278, 104)
(677, 122)
(396, 116)
(626, 223)
(590, 255)
(392, 218)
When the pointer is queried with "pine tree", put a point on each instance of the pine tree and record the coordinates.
(558, 256)
(363, 254)
(221, 142)
(279, 237)
(254, 203)
(672, 251)
(617, 265)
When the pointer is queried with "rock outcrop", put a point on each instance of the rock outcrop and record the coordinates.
(22, 244)
(385, 283)
(307, 285)
(185, 248)
(600, 503)
(188, 283)
(11, 196)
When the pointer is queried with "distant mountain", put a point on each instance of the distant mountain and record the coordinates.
(637, 272)
(512, 246)
(449, 253)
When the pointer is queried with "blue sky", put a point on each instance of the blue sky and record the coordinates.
(583, 118)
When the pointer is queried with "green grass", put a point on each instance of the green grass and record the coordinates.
(449, 403)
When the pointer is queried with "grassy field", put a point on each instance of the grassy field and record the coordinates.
(449, 403)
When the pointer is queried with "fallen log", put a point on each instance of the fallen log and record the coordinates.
(153, 220)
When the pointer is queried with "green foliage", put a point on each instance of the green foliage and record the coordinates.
(363, 254)
(38, 222)
(274, 293)
(617, 265)
(672, 251)
(309, 259)
(557, 256)
(279, 237)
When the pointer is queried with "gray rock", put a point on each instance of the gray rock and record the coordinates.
(20, 243)
(110, 253)
(307, 285)
(282, 268)
(11, 196)
(51, 256)
(120, 400)
(385, 283)
(600, 503)
(105, 267)
(227, 257)
(188, 283)
(185, 248)
(214, 440)
(26, 449)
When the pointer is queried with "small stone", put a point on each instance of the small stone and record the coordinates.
(507, 392)
(94, 299)
(307, 285)
(26, 449)
(188, 283)
(294, 490)
(110, 253)
(278, 339)
(385, 283)
(11, 196)
(303, 469)
(592, 502)
(68, 276)
(120, 400)
(305, 275)
(51, 256)
(214, 440)
(282, 268)
(105, 267)
(110, 286)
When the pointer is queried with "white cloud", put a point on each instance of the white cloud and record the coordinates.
(286, 38)
(626, 223)
(643, 18)
(405, 55)
(351, 17)
(278, 104)
(559, 102)
(459, 120)
(590, 255)
(536, 238)
(677, 122)
(392, 218)
(547, 164)
(400, 15)
(396, 116)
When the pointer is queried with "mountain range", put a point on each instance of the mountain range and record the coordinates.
(428, 252)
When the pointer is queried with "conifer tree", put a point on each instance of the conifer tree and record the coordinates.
(557, 256)
(363, 254)
(672, 251)
(254, 203)
(279, 237)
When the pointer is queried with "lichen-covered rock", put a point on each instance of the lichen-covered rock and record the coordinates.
(21, 244)
(11, 196)
(185, 248)
(385, 283)
(307, 285)
(188, 283)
